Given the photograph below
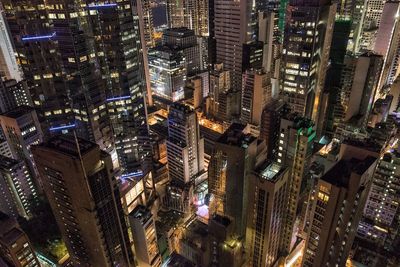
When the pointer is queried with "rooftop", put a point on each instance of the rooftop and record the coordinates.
(67, 144)
(7, 163)
(141, 213)
(340, 174)
(236, 137)
(18, 112)
(299, 121)
(270, 171)
(178, 32)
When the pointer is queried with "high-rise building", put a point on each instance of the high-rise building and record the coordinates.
(381, 211)
(388, 40)
(79, 183)
(270, 125)
(146, 13)
(15, 247)
(372, 18)
(185, 153)
(226, 248)
(94, 86)
(295, 148)
(306, 46)
(167, 73)
(21, 129)
(359, 83)
(339, 198)
(13, 94)
(231, 161)
(144, 237)
(58, 63)
(232, 30)
(192, 14)
(17, 188)
(268, 187)
(184, 39)
(220, 82)
(8, 64)
(185, 147)
(256, 94)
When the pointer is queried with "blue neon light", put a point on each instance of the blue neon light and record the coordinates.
(38, 37)
(62, 127)
(132, 174)
(102, 6)
(118, 98)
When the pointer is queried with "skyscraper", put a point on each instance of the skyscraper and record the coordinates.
(184, 39)
(94, 85)
(145, 237)
(18, 190)
(185, 153)
(268, 187)
(58, 64)
(79, 183)
(185, 147)
(296, 139)
(9, 68)
(14, 94)
(360, 78)
(167, 73)
(380, 214)
(15, 247)
(233, 158)
(339, 199)
(232, 30)
(192, 14)
(21, 129)
(256, 94)
(306, 44)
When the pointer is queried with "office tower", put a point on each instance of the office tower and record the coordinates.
(144, 237)
(93, 85)
(185, 147)
(225, 247)
(252, 55)
(306, 45)
(388, 40)
(360, 78)
(191, 14)
(232, 30)
(78, 181)
(17, 188)
(357, 18)
(372, 18)
(220, 82)
(167, 73)
(295, 148)
(21, 129)
(15, 248)
(269, 34)
(267, 207)
(256, 94)
(185, 153)
(146, 13)
(232, 160)
(9, 68)
(270, 125)
(13, 94)
(337, 207)
(5, 149)
(184, 39)
(380, 216)
(340, 41)
(116, 30)
(58, 63)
